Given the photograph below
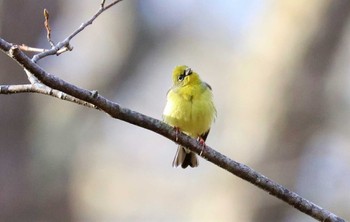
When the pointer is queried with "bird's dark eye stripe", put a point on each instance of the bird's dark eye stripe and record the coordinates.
(181, 77)
(187, 72)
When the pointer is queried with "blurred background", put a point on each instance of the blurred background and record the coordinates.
(280, 76)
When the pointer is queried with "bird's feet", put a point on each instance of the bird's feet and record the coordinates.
(177, 131)
(202, 143)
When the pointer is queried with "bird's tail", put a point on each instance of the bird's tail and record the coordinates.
(185, 158)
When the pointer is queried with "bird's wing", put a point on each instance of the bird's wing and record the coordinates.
(207, 85)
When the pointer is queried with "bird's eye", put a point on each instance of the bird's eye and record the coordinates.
(181, 77)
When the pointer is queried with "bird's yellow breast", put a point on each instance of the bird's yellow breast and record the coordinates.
(190, 108)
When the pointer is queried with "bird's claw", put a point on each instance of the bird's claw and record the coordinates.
(202, 143)
(177, 131)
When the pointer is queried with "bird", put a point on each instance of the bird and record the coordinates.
(190, 109)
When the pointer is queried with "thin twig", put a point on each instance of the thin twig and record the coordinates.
(42, 89)
(66, 42)
(103, 3)
(32, 79)
(63, 46)
(47, 27)
(127, 115)
(26, 48)
(55, 87)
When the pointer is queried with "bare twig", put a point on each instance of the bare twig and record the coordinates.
(119, 112)
(42, 89)
(45, 83)
(66, 42)
(47, 27)
(32, 79)
(26, 48)
(103, 3)
(30, 49)
(61, 47)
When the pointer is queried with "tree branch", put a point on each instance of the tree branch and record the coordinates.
(157, 126)
(48, 84)
(42, 89)
(66, 42)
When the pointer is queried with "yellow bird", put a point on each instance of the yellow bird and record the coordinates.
(189, 108)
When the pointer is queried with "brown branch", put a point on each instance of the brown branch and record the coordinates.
(42, 89)
(157, 126)
(47, 27)
(66, 42)
(26, 48)
(63, 46)
(56, 87)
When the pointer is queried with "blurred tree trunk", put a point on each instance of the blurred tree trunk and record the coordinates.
(305, 107)
(22, 22)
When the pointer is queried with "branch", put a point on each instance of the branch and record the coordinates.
(42, 89)
(48, 27)
(65, 44)
(157, 126)
(47, 84)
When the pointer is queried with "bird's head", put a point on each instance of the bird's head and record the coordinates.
(184, 75)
